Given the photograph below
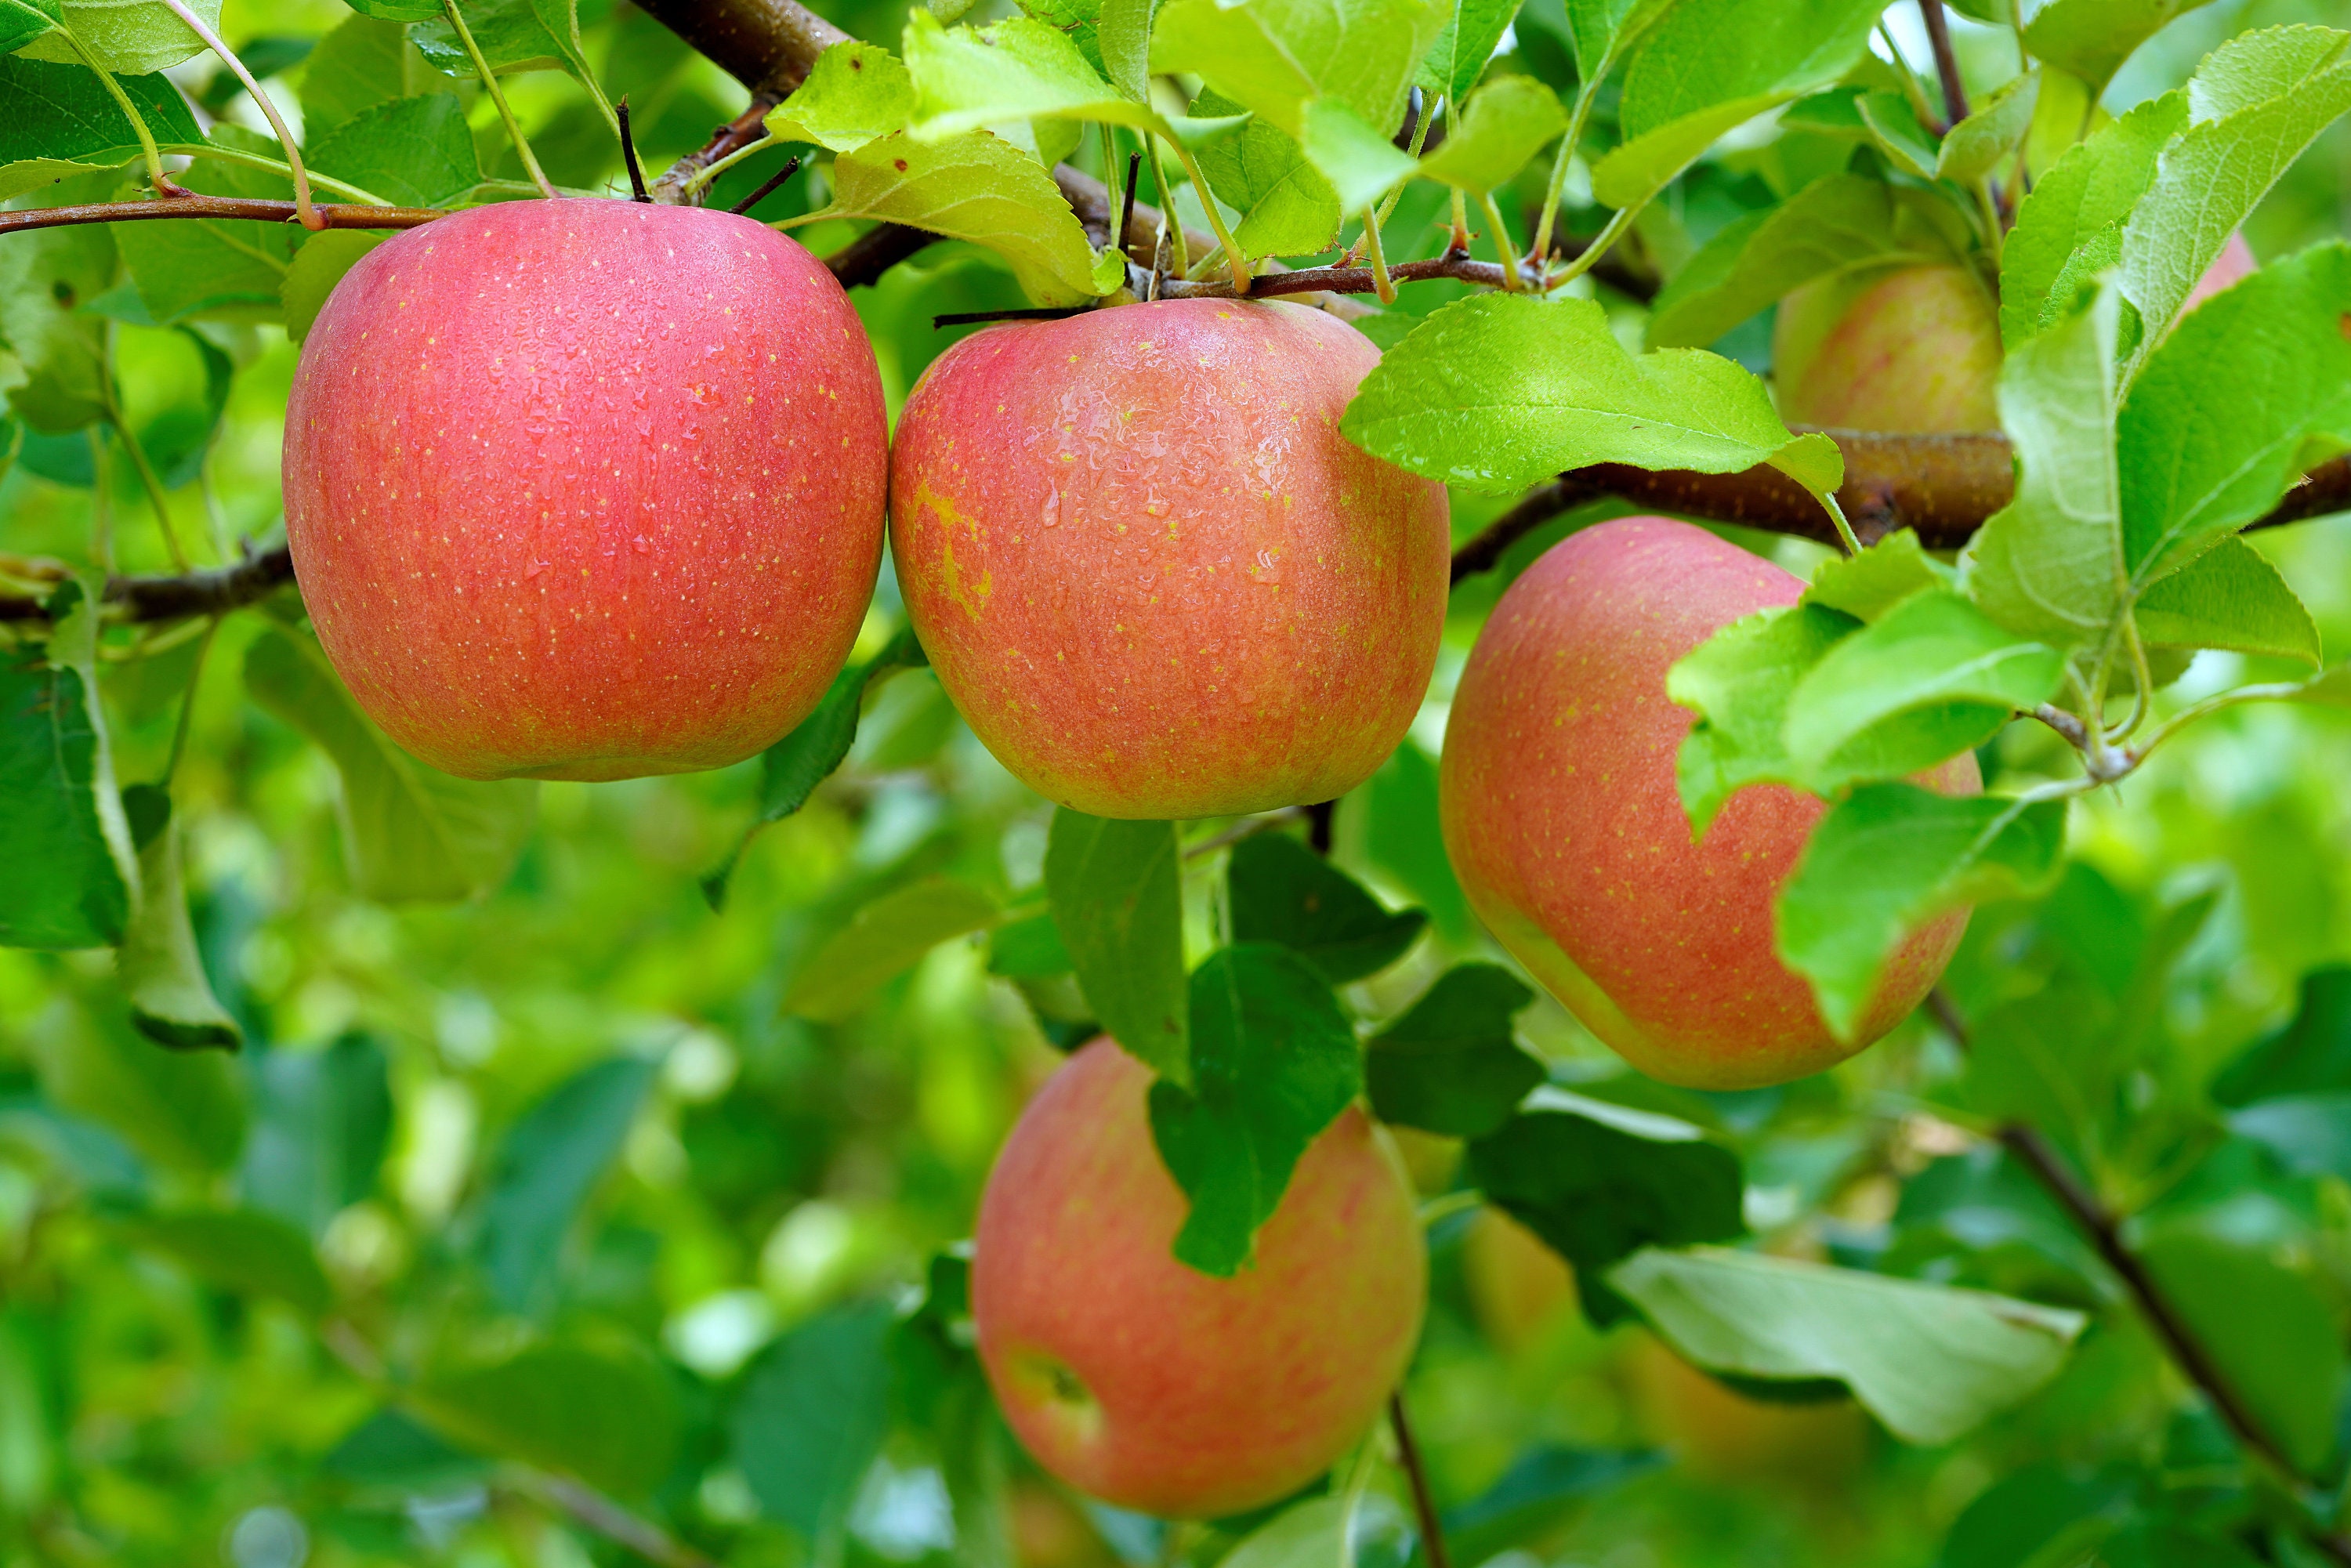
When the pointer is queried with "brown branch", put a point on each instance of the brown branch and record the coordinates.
(214, 591)
(864, 259)
(1342, 279)
(338, 215)
(747, 129)
(1424, 1505)
(1941, 487)
(768, 45)
(1946, 62)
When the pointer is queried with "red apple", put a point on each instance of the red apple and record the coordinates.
(586, 489)
(2234, 264)
(1152, 573)
(1560, 811)
(1154, 1386)
(1916, 351)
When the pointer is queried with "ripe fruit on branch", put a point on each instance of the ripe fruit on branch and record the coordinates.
(1159, 1388)
(1560, 811)
(1152, 573)
(586, 489)
(1915, 351)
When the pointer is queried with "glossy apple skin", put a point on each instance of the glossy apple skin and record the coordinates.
(1557, 797)
(1151, 572)
(1159, 1388)
(586, 489)
(1914, 351)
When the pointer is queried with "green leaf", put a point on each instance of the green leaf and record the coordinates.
(2310, 1054)
(2069, 227)
(240, 1251)
(1027, 949)
(1931, 1362)
(1894, 127)
(22, 21)
(1123, 34)
(55, 385)
(397, 10)
(61, 112)
(360, 64)
(1932, 678)
(606, 1414)
(1838, 223)
(1282, 892)
(1315, 1533)
(2230, 598)
(129, 37)
(1889, 857)
(561, 18)
(1451, 1063)
(1537, 1495)
(1287, 207)
(1599, 1181)
(546, 1165)
(2309, 1134)
(1882, 576)
(1499, 391)
(158, 969)
(2050, 563)
(322, 1124)
(410, 833)
(2092, 39)
(1458, 59)
(2209, 180)
(792, 767)
(510, 33)
(1118, 904)
(884, 939)
(1273, 1063)
(1740, 681)
(1600, 31)
(316, 268)
(1275, 56)
(977, 187)
(1505, 123)
(1979, 144)
(2252, 388)
(2289, 1372)
(1361, 165)
(811, 1416)
(412, 152)
(71, 877)
(1707, 67)
(1021, 68)
(856, 93)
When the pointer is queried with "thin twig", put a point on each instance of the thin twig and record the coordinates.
(1318, 825)
(767, 187)
(497, 96)
(1037, 313)
(309, 215)
(1947, 64)
(1424, 1505)
(1248, 826)
(190, 205)
(613, 1523)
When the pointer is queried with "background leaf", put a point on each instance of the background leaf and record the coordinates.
(1450, 1064)
(546, 1165)
(1117, 902)
(1282, 892)
(812, 1418)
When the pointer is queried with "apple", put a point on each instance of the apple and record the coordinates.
(586, 489)
(2234, 264)
(1914, 350)
(1151, 572)
(1557, 798)
(1153, 1386)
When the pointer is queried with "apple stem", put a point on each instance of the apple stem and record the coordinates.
(1382, 285)
(1424, 1504)
(637, 191)
(1127, 199)
(1180, 261)
(1540, 252)
(147, 148)
(498, 96)
(1418, 118)
(791, 167)
(1236, 262)
(302, 209)
(1836, 515)
(1504, 250)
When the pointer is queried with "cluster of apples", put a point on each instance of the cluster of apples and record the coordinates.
(596, 490)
